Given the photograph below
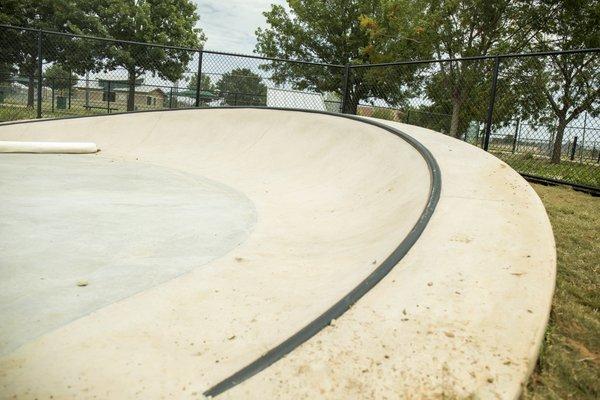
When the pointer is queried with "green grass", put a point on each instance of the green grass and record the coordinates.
(569, 363)
(10, 112)
(569, 171)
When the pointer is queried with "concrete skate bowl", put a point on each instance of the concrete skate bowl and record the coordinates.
(260, 253)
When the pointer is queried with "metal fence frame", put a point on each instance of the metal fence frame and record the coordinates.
(348, 71)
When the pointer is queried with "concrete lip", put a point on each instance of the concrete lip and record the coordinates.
(314, 204)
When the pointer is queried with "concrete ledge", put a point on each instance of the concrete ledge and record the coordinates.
(48, 147)
(464, 313)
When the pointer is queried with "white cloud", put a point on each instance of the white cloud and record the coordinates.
(230, 24)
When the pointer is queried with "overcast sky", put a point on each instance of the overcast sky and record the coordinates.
(230, 24)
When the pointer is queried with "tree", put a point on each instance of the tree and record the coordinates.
(338, 32)
(59, 78)
(465, 28)
(164, 22)
(6, 71)
(567, 85)
(206, 84)
(19, 48)
(242, 87)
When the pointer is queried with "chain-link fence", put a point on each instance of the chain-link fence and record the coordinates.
(538, 112)
(48, 75)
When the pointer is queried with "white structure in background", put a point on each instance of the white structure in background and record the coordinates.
(285, 98)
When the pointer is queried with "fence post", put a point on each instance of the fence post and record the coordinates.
(171, 98)
(574, 148)
(582, 146)
(516, 138)
(69, 90)
(39, 68)
(52, 89)
(345, 89)
(490, 113)
(199, 78)
(87, 90)
(108, 97)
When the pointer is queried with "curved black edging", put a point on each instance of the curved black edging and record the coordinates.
(342, 305)
(339, 308)
(594, 191)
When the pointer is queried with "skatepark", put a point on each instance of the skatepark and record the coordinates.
(265, 253)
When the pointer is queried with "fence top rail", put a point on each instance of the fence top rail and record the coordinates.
(164, 46)
(221, 53)
(275, 59)
(475, 58)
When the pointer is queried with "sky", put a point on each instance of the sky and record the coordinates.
(230, 24)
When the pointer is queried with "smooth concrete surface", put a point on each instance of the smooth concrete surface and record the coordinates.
(47, 147)
(80, 232)
(462, 314)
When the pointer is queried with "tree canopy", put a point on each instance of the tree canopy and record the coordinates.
(163, 22)
(453, 95)
(206, 84)
(242, 87)
(334, 32)
(454, 29)
(19, 48)
(59, 78)
(561, 88)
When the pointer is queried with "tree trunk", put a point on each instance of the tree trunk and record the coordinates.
(560, 132)
(31, 90)
(456, 104)
(351, 102)
(352, 105)
(131, 91)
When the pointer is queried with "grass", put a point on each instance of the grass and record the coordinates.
(8, 113)
(16, 113)
(569, 171)
(569, 363)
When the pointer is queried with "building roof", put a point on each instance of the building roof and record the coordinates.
(138, 89)
(204, 94)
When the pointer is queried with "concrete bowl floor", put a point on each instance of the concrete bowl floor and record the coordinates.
(80, 233)
(305, 207)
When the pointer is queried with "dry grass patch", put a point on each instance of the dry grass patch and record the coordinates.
(569, 363)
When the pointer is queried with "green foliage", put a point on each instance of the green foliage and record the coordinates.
(6, 71)
(242, 87)
(58, 78)
(560, 88)
(166, 22)
(468, 28)
(72, 16)
(338, 32)
(206, 84)
(19, 48)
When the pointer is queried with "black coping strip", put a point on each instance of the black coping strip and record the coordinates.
(342, 305)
